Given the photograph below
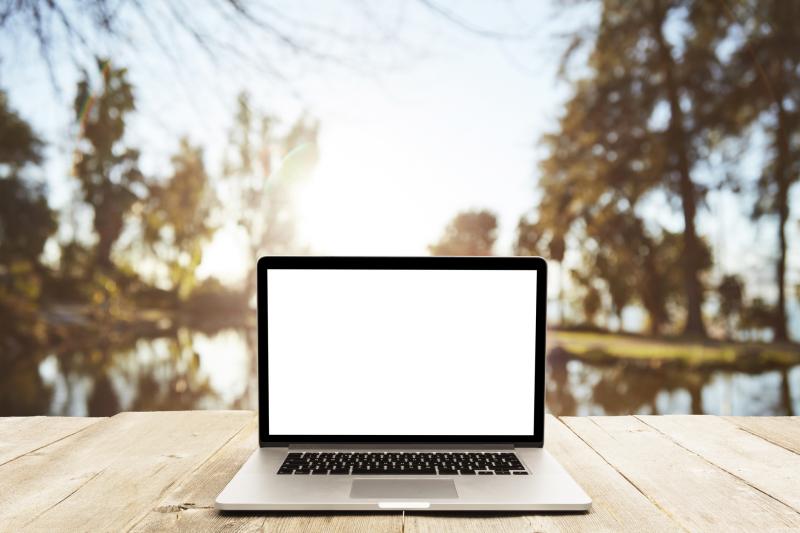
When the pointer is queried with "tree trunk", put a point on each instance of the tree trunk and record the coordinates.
(560, 294)
(652, 295)
(780, 330)
(786, 393)
(677, 142)
(781, 177)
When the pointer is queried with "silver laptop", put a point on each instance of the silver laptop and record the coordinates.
(402, 383)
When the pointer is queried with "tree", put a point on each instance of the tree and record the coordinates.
(666, 278)
(637, 124)
(261, 168)
(176, 217)
(106, 169)
(757, 316)
(469, 233)
(545, 240)
(592, 303)
(617, 239)
(26, 222)
(764, 76)
(631, 265)
(731, 301)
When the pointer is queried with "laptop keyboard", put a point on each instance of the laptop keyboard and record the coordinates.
(403, 463)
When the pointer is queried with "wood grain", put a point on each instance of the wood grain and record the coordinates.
(24, 435)
(616, 504)
(189, 504)
(109, 475)
(759, 463)
(695, 493)
(781, 430)
(162, 471)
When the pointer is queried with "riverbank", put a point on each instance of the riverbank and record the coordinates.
(649, 352)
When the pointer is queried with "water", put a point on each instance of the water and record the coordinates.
(575, 387)
(190, 369)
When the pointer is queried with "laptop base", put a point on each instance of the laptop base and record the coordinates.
(258, 487)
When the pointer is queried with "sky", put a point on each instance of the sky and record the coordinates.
(441, 121)
(432, 120)
(455, 129)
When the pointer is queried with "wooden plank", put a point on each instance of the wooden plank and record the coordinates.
(616, 504)
(206, 519)
(697, 494)
(781, 430)
(23, 435)
(472, 522)
(108, 476)
(759, 463)
(343, 523)
(189, 504)
(154, 471)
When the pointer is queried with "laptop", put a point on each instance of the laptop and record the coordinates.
(401, 383)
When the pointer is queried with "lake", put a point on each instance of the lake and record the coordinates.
(189, 369)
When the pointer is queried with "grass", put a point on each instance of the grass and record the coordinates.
(651, 351)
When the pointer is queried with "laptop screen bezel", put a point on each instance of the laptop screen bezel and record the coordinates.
(402, 263)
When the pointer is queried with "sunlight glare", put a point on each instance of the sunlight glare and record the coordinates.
(226, 257)
(368, 197)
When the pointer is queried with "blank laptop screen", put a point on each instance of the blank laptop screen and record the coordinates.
(401, 352)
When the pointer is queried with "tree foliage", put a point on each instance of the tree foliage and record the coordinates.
(176, 216)
(731, 301)
(636, 127)
(469, 233)
(26, 222)
(261, 168)
(763, 92)
(106, 168)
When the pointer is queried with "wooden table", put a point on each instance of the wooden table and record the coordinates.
(154, 471)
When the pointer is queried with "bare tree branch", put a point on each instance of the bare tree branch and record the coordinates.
(57, 25)
(471, 28)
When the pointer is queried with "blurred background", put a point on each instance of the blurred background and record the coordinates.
(151, 151)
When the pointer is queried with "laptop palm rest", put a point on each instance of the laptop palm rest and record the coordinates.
(404, 488)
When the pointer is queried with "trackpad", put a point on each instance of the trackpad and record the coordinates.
(404, 488)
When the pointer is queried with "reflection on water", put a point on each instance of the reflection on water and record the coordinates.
(188, 369)
(576, 387)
